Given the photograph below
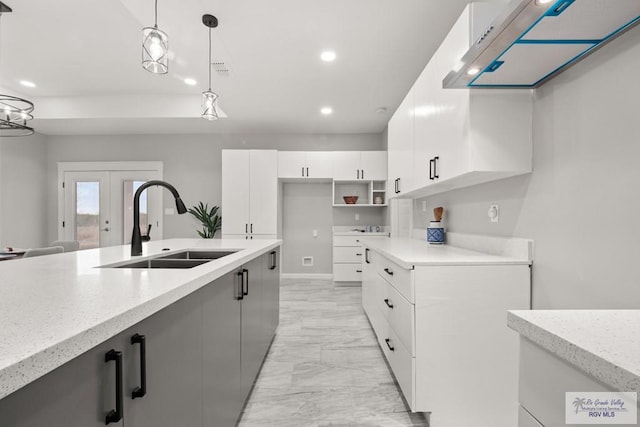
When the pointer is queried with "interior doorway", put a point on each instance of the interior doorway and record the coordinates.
(95, 202)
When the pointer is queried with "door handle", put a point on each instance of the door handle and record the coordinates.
(366, 256)
(357, 173)
(386, 301)
(240, 295)
(273, 260)
(362, 173)
(431, 169)
(303, 171)
(307, 172)
(436, 160)
(399, 185)
(246, 228)
(245, 277)
(142, 390)
(115, 415)
(251, 228)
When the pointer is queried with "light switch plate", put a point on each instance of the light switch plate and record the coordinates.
(494, 213)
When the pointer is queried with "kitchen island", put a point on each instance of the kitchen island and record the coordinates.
(56, 310)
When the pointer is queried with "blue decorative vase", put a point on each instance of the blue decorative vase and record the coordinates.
(435, 233)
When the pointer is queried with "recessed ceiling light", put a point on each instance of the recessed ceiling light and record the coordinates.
(27, 83)
(543, 1)
(326, 110)
(473, 71)
(190, 81)
(328, 56)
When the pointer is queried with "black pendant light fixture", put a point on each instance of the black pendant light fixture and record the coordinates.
(155, 48)
(209, 97)
(14, 112)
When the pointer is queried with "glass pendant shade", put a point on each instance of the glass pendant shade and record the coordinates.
(14, 114)
(209, 103)
(155, 50)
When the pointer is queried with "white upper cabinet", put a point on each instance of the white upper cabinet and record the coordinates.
(305, 164)
(400, 148)
(461, 137)
(360, 165)
(249, 192)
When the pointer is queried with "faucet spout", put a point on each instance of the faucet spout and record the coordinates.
(136, 238)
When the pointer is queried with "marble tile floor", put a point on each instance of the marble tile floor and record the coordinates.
(324, 367)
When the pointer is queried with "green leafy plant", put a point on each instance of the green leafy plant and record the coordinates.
(209, 218)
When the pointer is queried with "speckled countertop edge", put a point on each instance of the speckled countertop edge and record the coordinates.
(596, 365)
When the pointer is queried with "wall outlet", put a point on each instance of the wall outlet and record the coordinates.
(494, 213)
(307, 261)
(357, 217)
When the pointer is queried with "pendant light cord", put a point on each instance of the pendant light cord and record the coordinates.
(209, 58)
(156, 15)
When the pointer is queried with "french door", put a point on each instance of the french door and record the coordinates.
(98, 206)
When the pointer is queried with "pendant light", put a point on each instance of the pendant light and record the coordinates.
(209, 97)
(14, 111)
(155, 48)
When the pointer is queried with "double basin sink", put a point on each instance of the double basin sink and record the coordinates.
(184, 259)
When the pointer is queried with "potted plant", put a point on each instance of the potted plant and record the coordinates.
(209, 218)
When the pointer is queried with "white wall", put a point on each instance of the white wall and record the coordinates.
(581, 204)
(23, 207)
(192, 163)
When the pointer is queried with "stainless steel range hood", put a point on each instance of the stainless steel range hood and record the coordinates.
(534, 40)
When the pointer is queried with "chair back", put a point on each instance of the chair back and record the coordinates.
(68, 245)
(42, 251)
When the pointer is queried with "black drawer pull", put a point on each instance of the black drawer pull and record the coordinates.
(386, 301)
(358, 254)
(389, 272)
(274, 258)
(358, 271)
(366, 256)
(115, 415)
(245, 275)
(387, 340)
(142, 390)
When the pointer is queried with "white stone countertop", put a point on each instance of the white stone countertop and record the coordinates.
(602, 343)
(54, 308)
(413, 252)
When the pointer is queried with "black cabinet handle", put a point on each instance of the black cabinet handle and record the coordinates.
(303, 171)
(362, 173)
(274, 258)
(436, 160)
(358, 254)
(240, 275)
(431, 169)
(251, 228)
(246, 228)
(115, 415)
(357, 173)
(387, 340)
(245, 276)
(307, 172)
(142, 390)
(366, 256)
(358, 271)
(386, 301)
(389, 272)
(399, 186)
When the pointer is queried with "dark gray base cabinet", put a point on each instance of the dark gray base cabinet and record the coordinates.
(202, 355)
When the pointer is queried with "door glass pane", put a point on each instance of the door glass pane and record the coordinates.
(130, 188)
(88, 214)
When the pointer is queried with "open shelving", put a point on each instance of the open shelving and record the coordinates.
(368, 192)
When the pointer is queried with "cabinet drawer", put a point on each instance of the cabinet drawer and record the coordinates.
(347, 272)
(348, 254)
(346, 240)
(400, 278)
(526, 420)
(401, 362)
(401, 318)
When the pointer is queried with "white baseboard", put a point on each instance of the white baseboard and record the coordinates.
(306, 276)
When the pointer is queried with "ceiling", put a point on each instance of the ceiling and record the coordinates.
(84, 56)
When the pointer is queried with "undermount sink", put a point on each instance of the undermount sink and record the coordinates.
(183, 259)
(197, 254)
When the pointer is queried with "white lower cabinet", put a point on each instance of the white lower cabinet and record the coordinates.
(443, 331)
(347, 257)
